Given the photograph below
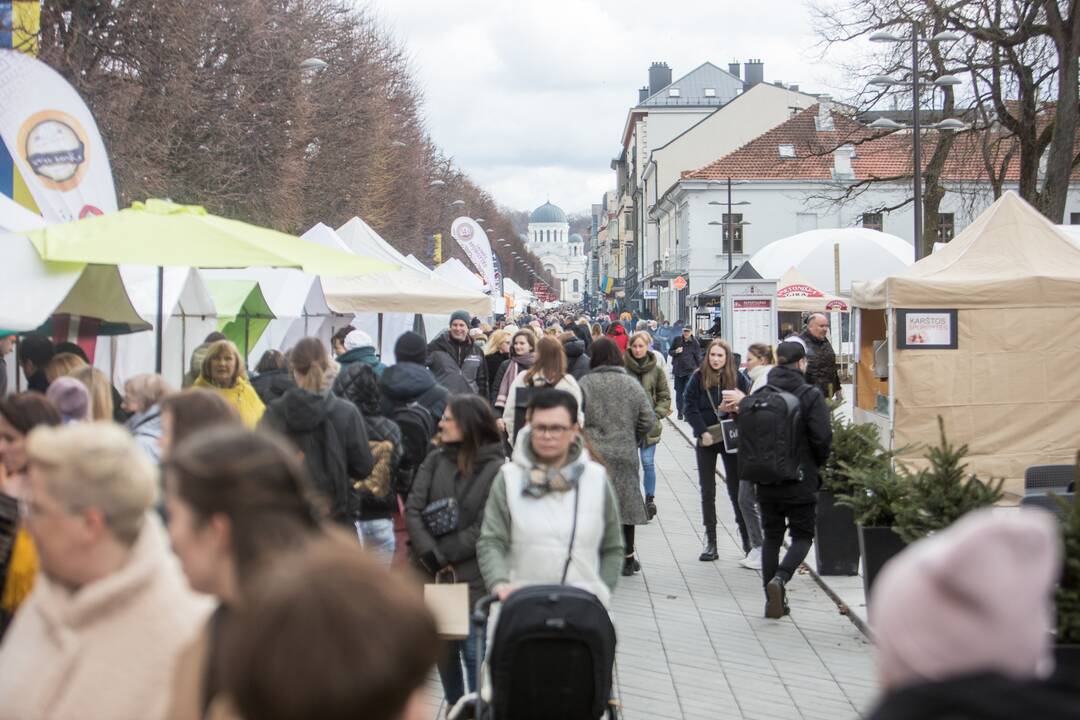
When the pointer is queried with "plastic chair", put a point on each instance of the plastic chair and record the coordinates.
(1048, 502)
(1041, 478)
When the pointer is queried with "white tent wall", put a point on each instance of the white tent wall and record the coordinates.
(189, 317)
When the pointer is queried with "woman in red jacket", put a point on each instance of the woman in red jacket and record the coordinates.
(616, 332)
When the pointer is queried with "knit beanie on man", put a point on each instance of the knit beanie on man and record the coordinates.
(411, 347)
(358, 339)
(462, 315)
(975, 597)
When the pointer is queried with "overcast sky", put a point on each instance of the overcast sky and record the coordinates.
(530, 96)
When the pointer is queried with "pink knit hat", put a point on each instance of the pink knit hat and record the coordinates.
(975, 597)
(70, 397)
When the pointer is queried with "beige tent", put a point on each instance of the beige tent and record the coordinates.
(794, 293)
(1008, 289)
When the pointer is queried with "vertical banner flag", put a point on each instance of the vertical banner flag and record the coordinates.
(20, 23)
(436, 251)
(474, 241)
(53, 140)
(498, 288)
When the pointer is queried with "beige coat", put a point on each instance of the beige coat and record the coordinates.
(189, 684)
(106, 652)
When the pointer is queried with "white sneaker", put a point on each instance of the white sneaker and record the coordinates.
(752, 561)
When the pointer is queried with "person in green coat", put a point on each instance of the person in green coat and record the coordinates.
(641, 362)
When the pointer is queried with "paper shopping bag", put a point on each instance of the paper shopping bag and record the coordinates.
(449, 604)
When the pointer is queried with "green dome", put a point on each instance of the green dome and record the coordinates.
(548, 213)
(576, 238)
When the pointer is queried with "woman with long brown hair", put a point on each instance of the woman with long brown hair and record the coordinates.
(708, 402)
(549, 370)
(522, 356)
(460, 470)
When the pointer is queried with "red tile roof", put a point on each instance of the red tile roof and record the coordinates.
(878, 155)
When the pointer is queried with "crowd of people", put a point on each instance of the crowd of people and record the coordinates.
(149, 537)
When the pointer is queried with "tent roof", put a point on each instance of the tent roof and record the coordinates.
(34, 290)
(864, 253)
(794, 293)
(243, 312)
(359, 237)
(743, 271)
(141, 284)
(455, 272)
(1010, 256)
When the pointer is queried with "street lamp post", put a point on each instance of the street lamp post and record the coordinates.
(730, 225)
(916, 128)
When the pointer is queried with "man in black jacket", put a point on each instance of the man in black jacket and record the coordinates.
(686, 358)
(793, 505)
(408, 380)
(457, 362)
(820, 358)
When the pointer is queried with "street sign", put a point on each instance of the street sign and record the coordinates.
(650, 294)
(679, 283)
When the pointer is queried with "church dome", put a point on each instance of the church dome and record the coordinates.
(576, 238)
(548, 213)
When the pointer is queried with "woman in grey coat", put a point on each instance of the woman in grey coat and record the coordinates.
(618, 418)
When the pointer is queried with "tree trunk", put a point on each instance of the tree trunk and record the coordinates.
(1066, 35)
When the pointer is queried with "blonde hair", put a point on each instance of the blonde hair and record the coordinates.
(310, 365)
(220, 348)
(497, 338)
(147, 389)
(97, 465)
(63, 364)
(101, 400)
(640, 335)
(763, 351)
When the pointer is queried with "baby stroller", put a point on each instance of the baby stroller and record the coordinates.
(551, 657)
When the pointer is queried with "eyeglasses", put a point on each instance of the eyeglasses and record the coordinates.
(551, 430)
(447, 419)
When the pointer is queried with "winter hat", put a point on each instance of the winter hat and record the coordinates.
(411, 347)
(789, 352)
(358, 339)
(975, 597)
(70, 397)
(462, 315)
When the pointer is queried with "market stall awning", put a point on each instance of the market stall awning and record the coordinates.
(162, 233)
(794, 293)
(242, 311)
(35, 291)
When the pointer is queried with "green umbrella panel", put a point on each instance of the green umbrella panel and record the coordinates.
(242, 311)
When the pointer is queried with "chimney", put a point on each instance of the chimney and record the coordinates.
(733, 68)
(754, 73)
(659, 77)
(642, 94)
(842, 163)
(823, 122)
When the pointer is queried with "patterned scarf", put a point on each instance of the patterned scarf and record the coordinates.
(544, 480)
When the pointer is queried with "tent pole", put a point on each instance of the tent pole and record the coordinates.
(160, 321)
(247, 330)
(380, 334)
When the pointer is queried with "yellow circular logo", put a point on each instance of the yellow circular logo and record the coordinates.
(54, 145)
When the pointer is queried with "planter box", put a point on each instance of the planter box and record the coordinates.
(1067, 665)
(877, 545)
(836, 539)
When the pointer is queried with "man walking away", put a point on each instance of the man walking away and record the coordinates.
(784, 439)
(456, 361)
(7, 343)
(686, 358)
(821, 359)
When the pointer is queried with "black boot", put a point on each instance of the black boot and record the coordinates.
(629, 566)
(709, 553)
(650, 506)
(776, 604)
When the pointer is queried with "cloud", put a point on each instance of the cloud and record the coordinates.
(530, 97)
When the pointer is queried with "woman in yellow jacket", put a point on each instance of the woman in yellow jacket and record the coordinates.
(223, 372)
(19, 414)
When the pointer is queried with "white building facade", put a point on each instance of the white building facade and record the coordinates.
(561, 254)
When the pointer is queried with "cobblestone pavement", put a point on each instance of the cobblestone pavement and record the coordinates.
(692, 640)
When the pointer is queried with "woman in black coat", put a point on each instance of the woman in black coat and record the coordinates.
(463, 467)
(705, 406)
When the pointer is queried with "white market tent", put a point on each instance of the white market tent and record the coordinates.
(189, 315)
(864, 254)
(1013, 281)
(455, 272)
(794, 293)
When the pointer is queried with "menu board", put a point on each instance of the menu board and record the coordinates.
(926, 329)
(752, 321)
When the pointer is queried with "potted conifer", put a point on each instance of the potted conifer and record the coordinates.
(836, 542)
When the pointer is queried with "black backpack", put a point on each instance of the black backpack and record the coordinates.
(771, 436)
(417, 429)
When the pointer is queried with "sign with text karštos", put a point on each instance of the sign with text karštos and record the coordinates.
(926, 329)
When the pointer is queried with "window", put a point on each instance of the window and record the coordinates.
(1074, 218)
(945, 227)
(786, 151)
(710, 92)
(736, 226)
(575, 285)
(872, 221)
(673, 92)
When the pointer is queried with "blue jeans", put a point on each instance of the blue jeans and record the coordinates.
(377, 536)
(458, 651)
(649, 467)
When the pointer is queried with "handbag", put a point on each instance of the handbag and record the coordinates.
(448, 603)
(716, 430)
(441, 516)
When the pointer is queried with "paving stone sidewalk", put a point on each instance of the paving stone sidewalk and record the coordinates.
(692, 640)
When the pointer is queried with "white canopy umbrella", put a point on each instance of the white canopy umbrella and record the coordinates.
(794, 293)
(864, 254)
